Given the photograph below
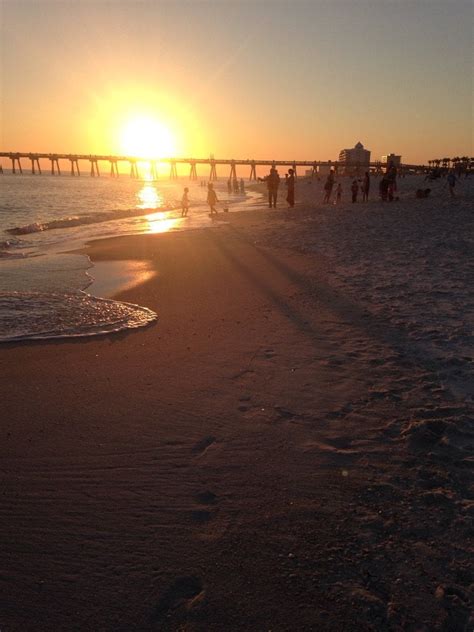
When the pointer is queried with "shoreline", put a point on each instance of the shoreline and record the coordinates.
(288, 447)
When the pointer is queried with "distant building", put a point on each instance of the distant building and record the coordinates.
(392, 158)
(357, 158)
(323, 170)
(356, 155)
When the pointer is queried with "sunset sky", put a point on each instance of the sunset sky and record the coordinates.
(276, 80)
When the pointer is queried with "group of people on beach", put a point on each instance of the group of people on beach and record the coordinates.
(233, 186)
(212, 201)
(273, 184)
(387, 189)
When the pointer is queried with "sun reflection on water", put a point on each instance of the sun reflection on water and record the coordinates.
(149, 196)
(151, 199)
(160, 223)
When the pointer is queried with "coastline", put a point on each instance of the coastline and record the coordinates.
(287, 447)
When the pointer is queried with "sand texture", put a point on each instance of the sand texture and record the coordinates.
(290, 446)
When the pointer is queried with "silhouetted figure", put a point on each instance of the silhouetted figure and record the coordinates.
(273, 182)
(366, 187)
(328, 185)
(391, 176)
(229, 186)
(451, 180)
(185, 203)
(212, 199)
(242, 185)
(338, 193)
(290, 183)
(236, 185)
(354, 190)
(383, 188)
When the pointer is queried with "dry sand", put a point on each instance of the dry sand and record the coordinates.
(290, 447)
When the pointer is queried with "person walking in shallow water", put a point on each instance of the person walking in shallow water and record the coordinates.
(273, 182)
(212, 199)
(290, 184)
(185, 203)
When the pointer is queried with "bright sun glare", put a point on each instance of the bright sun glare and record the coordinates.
(146, 137)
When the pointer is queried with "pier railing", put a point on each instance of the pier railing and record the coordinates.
(192, 164)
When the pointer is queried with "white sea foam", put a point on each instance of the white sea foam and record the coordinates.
(39, 316)
(41, 217)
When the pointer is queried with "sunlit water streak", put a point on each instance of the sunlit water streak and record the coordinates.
(42, 217)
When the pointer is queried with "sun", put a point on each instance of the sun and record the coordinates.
(146, 137)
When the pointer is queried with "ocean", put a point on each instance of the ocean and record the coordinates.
(43, 285)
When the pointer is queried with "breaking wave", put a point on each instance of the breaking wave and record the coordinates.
(40, 315)
(81, 220)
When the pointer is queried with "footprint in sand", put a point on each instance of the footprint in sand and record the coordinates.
(182, 594)
(204, 515)
(201, 516)
(206, 498)
(202, 446)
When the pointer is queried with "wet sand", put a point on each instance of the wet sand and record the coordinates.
(288, 448)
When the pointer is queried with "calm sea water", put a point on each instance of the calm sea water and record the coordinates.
(43, 288)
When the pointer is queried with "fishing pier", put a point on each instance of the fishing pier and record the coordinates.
(192, 164)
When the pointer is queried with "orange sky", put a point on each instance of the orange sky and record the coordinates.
(239, 80)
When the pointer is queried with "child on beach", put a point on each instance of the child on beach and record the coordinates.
(212, 199)
(338, 193)
(185, 203)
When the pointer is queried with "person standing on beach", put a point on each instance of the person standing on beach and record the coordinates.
(212, 199)
(451, 180)
(366, 187)
(273, 182)
(383, 188)
(185, 203)
(391, 176)
(328, 185)
(355, 190)
(338, 193)
(290, 183)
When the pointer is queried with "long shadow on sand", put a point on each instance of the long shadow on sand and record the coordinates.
(412, 353)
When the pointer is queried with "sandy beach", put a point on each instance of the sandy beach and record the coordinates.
(289, 447)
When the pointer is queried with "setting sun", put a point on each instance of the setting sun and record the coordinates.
(145, 137)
